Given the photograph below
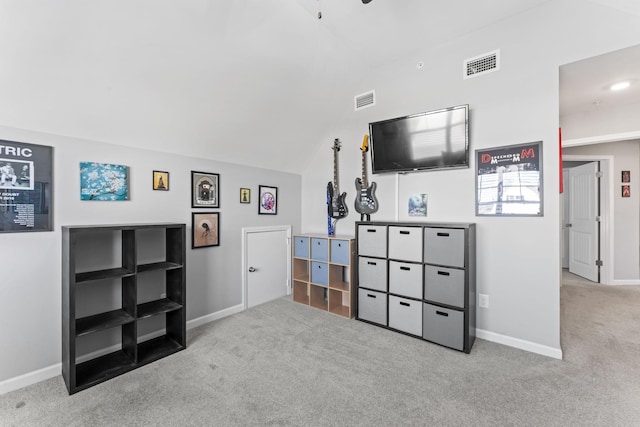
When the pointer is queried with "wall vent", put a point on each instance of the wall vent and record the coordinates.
(364, 100)
(482, 64)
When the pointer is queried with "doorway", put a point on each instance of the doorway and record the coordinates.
(586, 239)
(266, 264)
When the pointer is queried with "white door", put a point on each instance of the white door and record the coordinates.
(267, 266)
(583, 224)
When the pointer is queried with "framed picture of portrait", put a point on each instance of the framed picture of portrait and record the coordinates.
(245, 195)
(626, 176)
(205, 229)
(268, 200)
(161, 180)
(205, 190)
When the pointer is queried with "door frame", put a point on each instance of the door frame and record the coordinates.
(606, 211)
(245, 266)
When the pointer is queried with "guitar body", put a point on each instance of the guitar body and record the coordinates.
(339, 207)
(366, 202)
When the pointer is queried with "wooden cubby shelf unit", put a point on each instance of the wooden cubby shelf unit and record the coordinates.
(323, 273)
(78, 287)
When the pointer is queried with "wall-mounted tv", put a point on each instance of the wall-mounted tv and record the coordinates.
(432, 140)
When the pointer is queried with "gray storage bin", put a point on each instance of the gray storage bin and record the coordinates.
(372, 273)
(443, 326)
(372, 306)
(444, 246)
(405, 243)
(372, 240)
(405, 279)
(405, 315)
(301, 248)
(340, 253)
(319, 249)
(444, 285)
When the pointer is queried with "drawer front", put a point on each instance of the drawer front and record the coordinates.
(405, 243)
(444, 285)
(443, 326)
(372, 306)
(444, 246)
(319, 249)
(405, 279)
(372, 240)
(340, 253)
(405, 315)
(372, 273)
(301, 249)
(319, 273)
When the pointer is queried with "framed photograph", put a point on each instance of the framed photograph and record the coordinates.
(205, 229)
(509, 180)
(161, 180)
(205, 190)
(103, 181)
(626, 176)
(626, 191)
(245, 195)
(26, 190)
(268, 202)
(418, 205)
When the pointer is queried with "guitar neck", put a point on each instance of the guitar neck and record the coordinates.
(364, 169)
(335, 173)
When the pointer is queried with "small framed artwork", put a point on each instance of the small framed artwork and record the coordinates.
(205, 190)
(161, 180)
(103, 181)
(418, 205)
(205, 229)
(245, 195)
(626, 191)
(268, 202)
(626, 176)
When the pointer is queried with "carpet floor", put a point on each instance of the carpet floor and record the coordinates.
(285, 364)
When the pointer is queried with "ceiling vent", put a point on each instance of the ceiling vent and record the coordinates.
(364, 100)
(480, 65)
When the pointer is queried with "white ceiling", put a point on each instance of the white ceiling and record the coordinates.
(585, 85)
(219, 79)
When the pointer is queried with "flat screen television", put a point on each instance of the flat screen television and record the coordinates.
(432, 140)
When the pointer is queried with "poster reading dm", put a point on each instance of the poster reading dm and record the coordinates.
(509, 180)
(25, 187)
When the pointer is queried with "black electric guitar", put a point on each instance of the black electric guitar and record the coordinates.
(336, 206)
(366, 202)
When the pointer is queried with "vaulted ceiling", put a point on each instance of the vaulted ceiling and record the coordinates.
(225, 80)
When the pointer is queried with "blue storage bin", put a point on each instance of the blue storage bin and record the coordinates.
(301, 247)
(340, 251)
(319, 273)
(319, 249)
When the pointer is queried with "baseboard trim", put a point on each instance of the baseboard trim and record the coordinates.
(625, 282)
(532, 347)
(29, 378)
(214, 316)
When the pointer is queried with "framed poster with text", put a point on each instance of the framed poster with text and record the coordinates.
(509, 180)
(26, 189)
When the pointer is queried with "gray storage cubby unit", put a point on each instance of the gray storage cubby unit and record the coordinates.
(419, 278)
(115, 278)
(323, 272)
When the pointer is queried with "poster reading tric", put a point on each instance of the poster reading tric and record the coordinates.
(25, 187)
(509, 180)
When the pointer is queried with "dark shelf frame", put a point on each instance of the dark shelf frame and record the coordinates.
(132, 354)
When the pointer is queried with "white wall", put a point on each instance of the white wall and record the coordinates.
(604, 121)
(518, 258)
(626, 217)
(31, 312)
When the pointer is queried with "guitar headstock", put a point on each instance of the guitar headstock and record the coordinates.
(336, 144)
(365, 143)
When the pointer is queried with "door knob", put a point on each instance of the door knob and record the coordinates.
(252, 269)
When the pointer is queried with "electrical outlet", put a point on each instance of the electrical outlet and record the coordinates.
(163, 295)
(483, 300)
